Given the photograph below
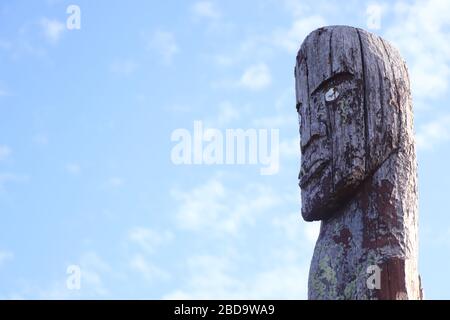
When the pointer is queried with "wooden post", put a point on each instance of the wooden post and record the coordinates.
(358, 169)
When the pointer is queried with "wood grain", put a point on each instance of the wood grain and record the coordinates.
(358, 169)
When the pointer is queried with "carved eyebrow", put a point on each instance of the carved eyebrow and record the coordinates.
(334, 80)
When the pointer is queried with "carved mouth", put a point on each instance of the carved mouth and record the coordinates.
(314, 170)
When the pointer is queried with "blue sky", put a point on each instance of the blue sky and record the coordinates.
(86, 176)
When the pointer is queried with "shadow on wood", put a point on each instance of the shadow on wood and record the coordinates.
(358, 169)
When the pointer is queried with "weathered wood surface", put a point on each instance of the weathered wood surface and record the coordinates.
(358, 169)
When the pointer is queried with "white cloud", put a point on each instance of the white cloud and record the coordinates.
(165, 44)
(5, 256)
(280, 272)
(290, 226)
(73, 168)
(40, 139)
(4, 90)
(295, 7)
(123, 67)
(439, 237)
(223, 60)
(286, 101)
(200, 206)
(205, 9)
(149, 239)
(227, 113)
(115, 182)
(5, 152)
(264, 46)
(149, 271)
(5, 45)
(421, 30)
(374, 12)
(21, 44)
(284, 113)
(275, 269)
(256, 77)
(56, 291)
(93, 271)
(215, 277)
(312, 230)
(53, 29)
(209, 278)
(179, 108)
(213, 208)
(431, 134)
(7, 177)
(283, 282)
(251, 49)
(290, 148)
(295, 229)
(291, 39)
(279, 120)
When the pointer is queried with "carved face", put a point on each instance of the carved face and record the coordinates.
(348, 97)
(331, 143)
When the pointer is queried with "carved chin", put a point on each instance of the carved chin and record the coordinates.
(316, 195)
(322, 196)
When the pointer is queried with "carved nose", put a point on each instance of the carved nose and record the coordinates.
(313, 131)
(318, 131)
(310, 141)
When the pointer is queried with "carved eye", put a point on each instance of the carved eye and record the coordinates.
(331, 95)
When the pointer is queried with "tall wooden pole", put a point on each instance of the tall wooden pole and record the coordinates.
(358, 169)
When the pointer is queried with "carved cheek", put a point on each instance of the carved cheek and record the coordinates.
(319, 117)
(344, 110)
(348, 139)
(302, 119)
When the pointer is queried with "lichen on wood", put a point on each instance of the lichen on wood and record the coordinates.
(358, 169)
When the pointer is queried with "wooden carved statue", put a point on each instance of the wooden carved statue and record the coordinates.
(358, 167)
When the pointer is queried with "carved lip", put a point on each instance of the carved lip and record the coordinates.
(313, 170)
